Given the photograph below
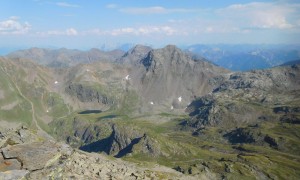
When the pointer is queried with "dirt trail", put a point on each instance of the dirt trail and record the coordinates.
(40, 130)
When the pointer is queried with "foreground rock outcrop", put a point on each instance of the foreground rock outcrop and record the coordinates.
(24, 155)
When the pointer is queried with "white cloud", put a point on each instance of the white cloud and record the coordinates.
(256, 19)
(15, 18)
(270, 20)
(52, 32)
(121, 31)
(168, 30)
(145, 30)
(154, 10)
(137, 31)
(236, 18)
(71, 32)
(94, 32)
(64, 4)
(259, 15)
(67, 32)
(241, 19)
(13, 26)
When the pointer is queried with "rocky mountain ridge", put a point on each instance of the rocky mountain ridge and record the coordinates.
(171, 78)
(160, 106)
(261, 88)
(134, 55)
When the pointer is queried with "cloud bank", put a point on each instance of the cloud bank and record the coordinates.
(14, 26)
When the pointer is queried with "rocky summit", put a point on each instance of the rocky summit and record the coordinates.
(145, 114)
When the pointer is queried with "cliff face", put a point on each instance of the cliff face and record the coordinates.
(87, 94)
(113, 139)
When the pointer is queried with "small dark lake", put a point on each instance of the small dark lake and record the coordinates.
(107, 117)
(90, 112)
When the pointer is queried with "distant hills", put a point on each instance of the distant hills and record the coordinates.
(291, 63)
(233, 57)
(66, 57)
(247, 57)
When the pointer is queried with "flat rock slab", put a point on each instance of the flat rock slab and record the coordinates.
(34, 156)
(14, 174)
(9, 164)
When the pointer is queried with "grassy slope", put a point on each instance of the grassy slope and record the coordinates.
(20, 112)
(15, 77)
(210, 150)
(187, 151)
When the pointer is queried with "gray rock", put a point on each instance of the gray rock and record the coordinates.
(134, 55)
(244, 98)
(9, 164)
(33, 156)
(14, 174)
(87, 94)
(166, 74)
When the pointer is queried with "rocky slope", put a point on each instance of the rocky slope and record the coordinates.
(245, 98)
(170, 79)
(134, 55)
(24, 155)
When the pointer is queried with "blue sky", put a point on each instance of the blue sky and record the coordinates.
(92, 23)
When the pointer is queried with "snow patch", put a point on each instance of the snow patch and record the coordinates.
(172, 107)
(127, 77)
(151, 102)
(180, 99)
(56, 82)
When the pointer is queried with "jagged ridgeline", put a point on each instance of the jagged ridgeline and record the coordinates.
(155, 106)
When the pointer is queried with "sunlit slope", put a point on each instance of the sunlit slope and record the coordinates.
(27, 95)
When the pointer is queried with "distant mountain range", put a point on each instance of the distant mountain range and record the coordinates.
(247, 57)
(232, 57)
(291, 63)
(66, 57)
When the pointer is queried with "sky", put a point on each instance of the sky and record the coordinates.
(92, 23)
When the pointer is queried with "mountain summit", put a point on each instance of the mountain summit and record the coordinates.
(134, 55)
(168, 73)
